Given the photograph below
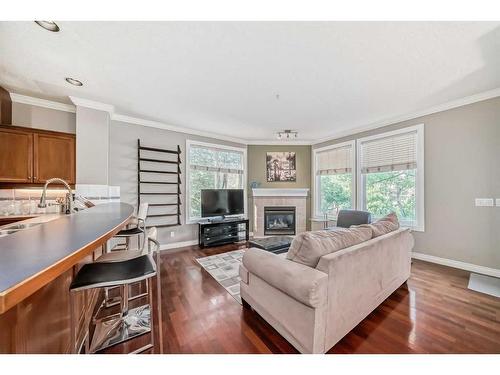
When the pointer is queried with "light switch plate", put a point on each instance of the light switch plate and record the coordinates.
(484, 202)
(498, 202)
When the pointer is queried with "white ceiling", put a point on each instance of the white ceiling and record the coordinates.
(224, 77)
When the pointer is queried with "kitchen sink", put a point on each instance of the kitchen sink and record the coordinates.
(10, 229)
(5, 232)
(21, 226)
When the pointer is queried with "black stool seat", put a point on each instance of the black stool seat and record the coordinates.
(129, 232)
(99, 275)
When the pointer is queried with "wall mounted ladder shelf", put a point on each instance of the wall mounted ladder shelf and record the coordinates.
(159, 183)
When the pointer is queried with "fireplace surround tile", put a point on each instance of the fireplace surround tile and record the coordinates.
(280, 198)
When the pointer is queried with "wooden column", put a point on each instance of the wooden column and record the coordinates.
(5, 107)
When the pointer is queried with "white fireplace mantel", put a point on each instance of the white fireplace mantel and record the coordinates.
(277, 192)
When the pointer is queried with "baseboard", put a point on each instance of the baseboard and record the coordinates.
(176, 245)
(457, 264)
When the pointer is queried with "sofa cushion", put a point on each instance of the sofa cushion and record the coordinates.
(387, 224)
(306, 285)
(308, 247)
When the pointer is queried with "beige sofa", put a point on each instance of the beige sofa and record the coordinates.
(313, 308)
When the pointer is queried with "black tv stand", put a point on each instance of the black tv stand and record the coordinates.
(222, 231)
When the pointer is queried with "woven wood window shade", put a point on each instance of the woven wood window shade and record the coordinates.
(217, 162)
(335, 161)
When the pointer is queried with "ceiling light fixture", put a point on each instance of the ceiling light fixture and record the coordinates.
(74, 82)
(48, 25)
(287, 134)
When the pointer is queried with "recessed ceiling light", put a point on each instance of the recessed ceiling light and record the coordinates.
(74, 82)
(48, 25)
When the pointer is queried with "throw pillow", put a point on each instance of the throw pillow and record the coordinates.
(384, 225)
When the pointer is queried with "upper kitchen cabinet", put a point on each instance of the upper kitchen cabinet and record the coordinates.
(32, 156)
(16, 155)
(54, 156)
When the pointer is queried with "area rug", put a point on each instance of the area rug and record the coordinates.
(224, 268)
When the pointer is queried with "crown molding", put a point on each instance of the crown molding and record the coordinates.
(178, 129)
(412, 116)
(280, 142)
(24, 99)
(81, 102)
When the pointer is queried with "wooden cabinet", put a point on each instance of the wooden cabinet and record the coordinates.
(32, 156)
(16, 156)
(54, 156)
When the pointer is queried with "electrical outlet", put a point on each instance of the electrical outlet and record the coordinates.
(172, 234)
(484, 202)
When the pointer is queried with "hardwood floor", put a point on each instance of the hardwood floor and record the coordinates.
(433, 313)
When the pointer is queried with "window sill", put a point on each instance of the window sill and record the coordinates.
(414, 229)
(322, 220)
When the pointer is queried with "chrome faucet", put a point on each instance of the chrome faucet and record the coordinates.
(67, 207)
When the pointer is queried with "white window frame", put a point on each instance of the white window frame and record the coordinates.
(315, 177)
(187, 202)
(419, 183)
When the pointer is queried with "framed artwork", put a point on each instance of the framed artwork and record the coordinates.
(281, 167)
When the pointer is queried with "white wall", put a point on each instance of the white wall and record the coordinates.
(92, 146)
(43, 118)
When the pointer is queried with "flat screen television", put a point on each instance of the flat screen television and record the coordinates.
(222, 202)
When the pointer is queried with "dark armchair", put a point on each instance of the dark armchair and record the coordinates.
(346, 218)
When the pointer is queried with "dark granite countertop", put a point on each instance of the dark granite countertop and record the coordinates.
(31, 258)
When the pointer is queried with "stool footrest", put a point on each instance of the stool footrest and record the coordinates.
(111, 332)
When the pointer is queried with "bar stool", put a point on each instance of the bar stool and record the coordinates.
(120, 255)
(139, 229)
(129, 323)
(140, 226)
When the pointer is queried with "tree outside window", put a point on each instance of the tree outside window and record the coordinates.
(212, 168)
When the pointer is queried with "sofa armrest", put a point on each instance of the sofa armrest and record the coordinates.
(305, 284)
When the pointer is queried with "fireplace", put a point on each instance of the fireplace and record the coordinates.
(279, 220)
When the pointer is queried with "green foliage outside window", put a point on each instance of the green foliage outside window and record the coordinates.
(335, 191)
(385, 192)
(200, 179)
(391, 191)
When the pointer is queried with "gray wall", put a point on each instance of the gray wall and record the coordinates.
(123, 167)
(257, 171)
(92, 146)
(43, 118)
(462, 162)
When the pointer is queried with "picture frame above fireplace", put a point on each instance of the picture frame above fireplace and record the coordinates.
(281, 167)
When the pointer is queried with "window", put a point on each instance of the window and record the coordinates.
(390, 175)
(212, 166)
(334, 178)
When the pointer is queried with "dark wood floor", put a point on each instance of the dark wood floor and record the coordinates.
(433, 313)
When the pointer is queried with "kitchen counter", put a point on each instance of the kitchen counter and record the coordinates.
(34, 257)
